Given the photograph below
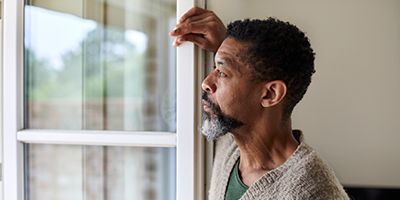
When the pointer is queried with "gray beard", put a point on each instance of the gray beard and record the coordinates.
(218, 125)
(212, 129)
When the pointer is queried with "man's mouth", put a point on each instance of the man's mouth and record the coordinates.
(209, 107)
(206, 105)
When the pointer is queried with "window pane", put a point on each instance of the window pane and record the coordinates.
(66, 172)
(100, 65)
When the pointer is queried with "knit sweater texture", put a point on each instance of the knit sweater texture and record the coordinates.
(305, 175)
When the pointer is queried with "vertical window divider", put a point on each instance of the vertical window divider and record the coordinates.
(1, 100)
(13, 99)
(190, 144)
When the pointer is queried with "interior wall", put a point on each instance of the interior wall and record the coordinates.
(351, 112)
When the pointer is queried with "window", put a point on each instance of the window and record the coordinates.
(97, 105)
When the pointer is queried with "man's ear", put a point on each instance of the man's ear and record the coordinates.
(273, 93)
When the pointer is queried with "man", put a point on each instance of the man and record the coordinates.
(263, 69)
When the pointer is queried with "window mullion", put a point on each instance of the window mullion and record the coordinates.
(12, 104)
(104, 138)
(190, 144)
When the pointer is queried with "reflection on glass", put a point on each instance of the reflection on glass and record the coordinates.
(100, 65)
(65, 172)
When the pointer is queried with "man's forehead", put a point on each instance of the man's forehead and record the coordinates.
(231, 52)
(230, 48)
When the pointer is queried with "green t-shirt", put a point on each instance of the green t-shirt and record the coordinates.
(236, 188)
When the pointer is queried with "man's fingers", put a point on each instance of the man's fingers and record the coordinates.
(197, 39)
(176, 43)
(192, 12)
(198, 27)
(183, 30)
(207, 16)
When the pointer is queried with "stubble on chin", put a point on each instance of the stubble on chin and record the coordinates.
(211, 128)
(218, 125)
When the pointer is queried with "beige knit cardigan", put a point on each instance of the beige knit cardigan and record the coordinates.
(305, 175)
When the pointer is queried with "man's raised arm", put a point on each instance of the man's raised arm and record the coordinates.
(201, 27)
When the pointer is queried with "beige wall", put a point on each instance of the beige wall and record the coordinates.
(351, 112)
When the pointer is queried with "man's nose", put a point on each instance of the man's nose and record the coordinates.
(208, 84)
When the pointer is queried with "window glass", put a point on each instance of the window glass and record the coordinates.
(66, 172)
(100, 65)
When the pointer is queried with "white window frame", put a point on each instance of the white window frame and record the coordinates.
(1, 100)
(190, 144)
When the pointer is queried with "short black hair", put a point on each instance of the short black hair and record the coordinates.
(276, 50)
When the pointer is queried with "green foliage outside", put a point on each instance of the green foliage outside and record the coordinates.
(97, 69)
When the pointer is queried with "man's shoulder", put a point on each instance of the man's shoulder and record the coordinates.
(311, 176)
(307, 162)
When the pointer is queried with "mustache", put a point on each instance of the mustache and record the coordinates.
(216, 109)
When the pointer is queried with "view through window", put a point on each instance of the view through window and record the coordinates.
(99, 65)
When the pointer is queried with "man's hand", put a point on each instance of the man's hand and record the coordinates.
(201, 27)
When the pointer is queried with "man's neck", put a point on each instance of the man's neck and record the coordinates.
(263, 149)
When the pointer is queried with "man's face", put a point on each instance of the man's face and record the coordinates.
(230, 99)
